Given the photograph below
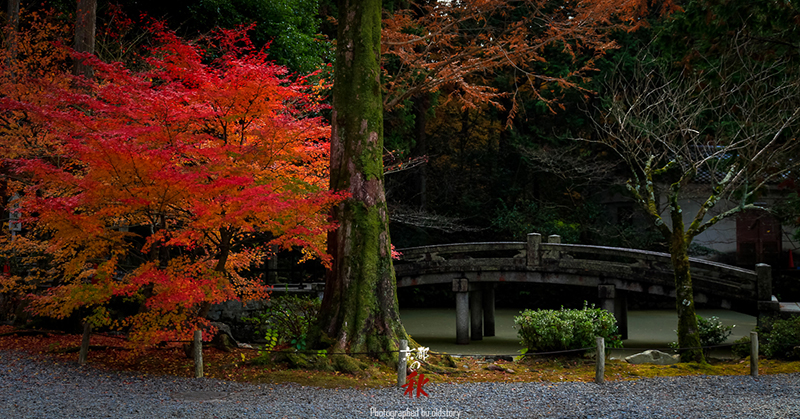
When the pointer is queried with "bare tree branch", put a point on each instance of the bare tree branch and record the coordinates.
(569, 163)
(731, 130)
(423, 219)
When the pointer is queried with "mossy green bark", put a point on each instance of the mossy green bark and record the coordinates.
(688, 332)
(359, 310)
(679, 240)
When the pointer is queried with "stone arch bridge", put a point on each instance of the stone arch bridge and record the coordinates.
(473, 269)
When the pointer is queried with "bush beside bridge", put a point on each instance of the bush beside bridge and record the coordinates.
(566, 329)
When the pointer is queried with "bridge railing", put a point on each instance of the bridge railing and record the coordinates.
(632, 263)
(502, 250)
(653, 267)
(463, 257)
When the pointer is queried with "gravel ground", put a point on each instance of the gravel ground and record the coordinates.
(37, 388)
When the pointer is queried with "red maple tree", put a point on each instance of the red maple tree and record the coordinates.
(170, 182)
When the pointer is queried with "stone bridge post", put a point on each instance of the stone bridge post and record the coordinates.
(533, 256)
(616, 302)
(766, 305)
(553, 254)
(481, 310)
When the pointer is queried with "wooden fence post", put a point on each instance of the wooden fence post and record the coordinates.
(600, 369)
(402, 363)
(754, 354)
(84, 351)
(197, 352)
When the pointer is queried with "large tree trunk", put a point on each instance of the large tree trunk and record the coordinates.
(688, 336)
(85, 21)
(359, 309)
(12, 11)
(11, 37)
(86, 17)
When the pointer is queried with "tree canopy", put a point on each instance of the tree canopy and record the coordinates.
(164, 185)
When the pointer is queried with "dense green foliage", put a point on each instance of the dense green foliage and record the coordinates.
(290, 27)
(286, 320)
(712, 331)
(565, 329)
(780, 338)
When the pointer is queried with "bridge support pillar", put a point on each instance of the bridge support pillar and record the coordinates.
(767, 304)
(616, 302)
(461, 288)
(621, 312)
(488, 310)
(476, 314)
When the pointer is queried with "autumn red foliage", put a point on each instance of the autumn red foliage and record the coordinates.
(167, 183)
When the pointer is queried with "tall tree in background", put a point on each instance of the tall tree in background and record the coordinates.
(85, 26)
(11, 35)
(36, 63)
(731, 129)
(514, 56)
(359, 309)
(85, 23)
(11, 50)
(716, 105)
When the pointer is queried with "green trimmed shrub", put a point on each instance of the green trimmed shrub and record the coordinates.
(712, 331)
(565, 329)
(781, 338)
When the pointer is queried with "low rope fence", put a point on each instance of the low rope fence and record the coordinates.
(404, 351)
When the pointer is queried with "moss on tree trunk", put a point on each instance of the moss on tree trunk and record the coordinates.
(359, 309)
(688, 336)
